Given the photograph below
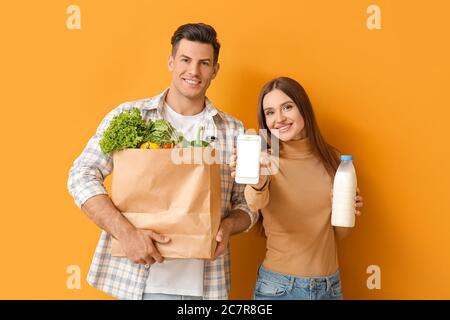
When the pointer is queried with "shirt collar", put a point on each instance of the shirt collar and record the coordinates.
(158, 104)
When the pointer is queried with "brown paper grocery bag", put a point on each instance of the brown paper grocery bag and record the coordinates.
(172, 192)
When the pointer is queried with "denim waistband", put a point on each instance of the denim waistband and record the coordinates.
(289, 280)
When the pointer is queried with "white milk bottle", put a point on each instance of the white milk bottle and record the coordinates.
(344, 192)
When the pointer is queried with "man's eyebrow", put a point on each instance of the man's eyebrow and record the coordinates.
(185, 56)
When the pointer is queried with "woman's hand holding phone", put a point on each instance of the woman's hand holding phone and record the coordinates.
(264, 163)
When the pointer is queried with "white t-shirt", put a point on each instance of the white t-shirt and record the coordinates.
(178, 276)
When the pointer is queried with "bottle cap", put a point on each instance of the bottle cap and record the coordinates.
(346, 157)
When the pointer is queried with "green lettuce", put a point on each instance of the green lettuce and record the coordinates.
(129, 130)
(126, 130)
(161, 132)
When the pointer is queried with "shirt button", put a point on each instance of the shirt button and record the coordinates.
(147, 266)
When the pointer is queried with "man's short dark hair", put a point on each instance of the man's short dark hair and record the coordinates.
(199, 32)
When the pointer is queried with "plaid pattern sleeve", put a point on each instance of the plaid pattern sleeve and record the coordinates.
(238, 202)
(91, 168)
(118, 276)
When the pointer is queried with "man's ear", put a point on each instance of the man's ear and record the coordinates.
(170, 63)
(216, 70)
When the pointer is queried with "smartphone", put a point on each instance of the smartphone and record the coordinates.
(248, 153)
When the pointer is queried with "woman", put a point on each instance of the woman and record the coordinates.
(301, 257)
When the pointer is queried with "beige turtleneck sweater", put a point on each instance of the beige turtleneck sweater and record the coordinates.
(296, 206)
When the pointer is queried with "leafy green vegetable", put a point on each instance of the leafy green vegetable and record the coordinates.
(161, 131)
(197, 142)
(126, 130)
(202, 143)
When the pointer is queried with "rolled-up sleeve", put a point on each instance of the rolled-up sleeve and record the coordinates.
(238, 203)
(90, 169)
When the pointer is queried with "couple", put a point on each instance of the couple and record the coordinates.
(301, 260)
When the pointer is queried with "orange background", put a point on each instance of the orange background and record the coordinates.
(380, 95)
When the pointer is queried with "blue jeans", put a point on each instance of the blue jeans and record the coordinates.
(276, 286)
(163, 296)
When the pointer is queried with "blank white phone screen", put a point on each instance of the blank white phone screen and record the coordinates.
(248, 153)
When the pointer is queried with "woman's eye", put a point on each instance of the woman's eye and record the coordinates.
(269, 113)
(205, 63)
(287, 107)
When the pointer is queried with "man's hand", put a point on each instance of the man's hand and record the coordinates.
(139, 246)
(222, 237)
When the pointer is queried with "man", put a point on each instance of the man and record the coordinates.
(193, 64)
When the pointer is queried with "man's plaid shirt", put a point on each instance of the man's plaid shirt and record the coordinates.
(120, 277)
